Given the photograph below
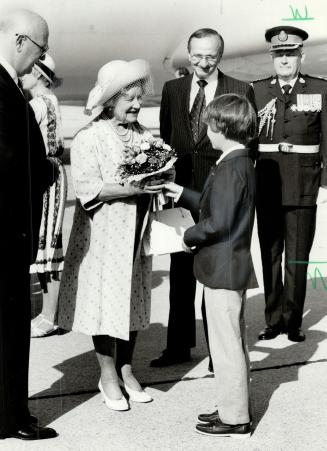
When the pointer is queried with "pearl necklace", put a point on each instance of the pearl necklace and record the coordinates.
(125, 134)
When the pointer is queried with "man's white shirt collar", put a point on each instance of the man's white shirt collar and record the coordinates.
(209, 89)
(282, 83)
(227, 152)
(211, 79)
(11, 71)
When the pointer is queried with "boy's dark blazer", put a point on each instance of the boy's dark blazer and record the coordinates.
(223, 234)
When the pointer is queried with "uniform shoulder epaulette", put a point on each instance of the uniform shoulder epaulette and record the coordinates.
(261, 79)
(315, 77)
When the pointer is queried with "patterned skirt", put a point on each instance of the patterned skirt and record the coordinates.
(50, 258)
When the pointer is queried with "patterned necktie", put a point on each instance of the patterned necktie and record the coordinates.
(286, 89)
(196, 114)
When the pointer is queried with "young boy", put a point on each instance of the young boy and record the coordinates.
(223, 264)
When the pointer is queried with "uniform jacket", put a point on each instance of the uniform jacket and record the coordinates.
(292, 179)
(223, 234)
(24, 174)
(194, 159)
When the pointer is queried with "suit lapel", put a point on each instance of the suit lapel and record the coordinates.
(275, 89)
(219, 90)
(234, 154)
(222, 84)
(300, 87)
(208, 180)
(12, 85)
(184, 95)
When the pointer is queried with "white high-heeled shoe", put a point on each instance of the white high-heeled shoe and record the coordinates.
(114, 404)
(134, 395)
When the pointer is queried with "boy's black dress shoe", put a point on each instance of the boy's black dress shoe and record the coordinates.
(208, 417)
(169, 358)
(218, 429)
(32, 432)
(268, 333)
(296, 335)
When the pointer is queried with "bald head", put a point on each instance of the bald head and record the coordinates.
(23, 20)
(23, 37)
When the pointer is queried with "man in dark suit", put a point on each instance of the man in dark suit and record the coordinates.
(290, 168)
(181, 126)
(25, 174)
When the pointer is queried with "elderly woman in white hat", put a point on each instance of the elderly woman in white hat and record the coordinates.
(106, 283)
(49, 260)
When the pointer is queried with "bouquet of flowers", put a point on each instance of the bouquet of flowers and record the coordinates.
(150, 158)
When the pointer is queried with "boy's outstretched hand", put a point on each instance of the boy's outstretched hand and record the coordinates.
(173, 190)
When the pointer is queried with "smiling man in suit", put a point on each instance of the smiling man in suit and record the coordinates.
(24, 175)
(181, 126)
(292, 111)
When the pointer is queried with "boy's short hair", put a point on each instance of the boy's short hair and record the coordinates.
(233, 116)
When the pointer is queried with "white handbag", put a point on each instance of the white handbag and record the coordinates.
(165, 230)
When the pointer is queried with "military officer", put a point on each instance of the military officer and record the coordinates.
(291, 167)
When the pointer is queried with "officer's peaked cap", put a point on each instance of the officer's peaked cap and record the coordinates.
(285, 37)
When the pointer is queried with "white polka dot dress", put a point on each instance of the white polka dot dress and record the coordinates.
(102, 292)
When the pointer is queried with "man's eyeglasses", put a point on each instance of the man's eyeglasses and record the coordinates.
(42, 49)
(211, 59)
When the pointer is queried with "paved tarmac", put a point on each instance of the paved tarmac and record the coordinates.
(289, 380)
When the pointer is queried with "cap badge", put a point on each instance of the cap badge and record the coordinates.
(283, 36)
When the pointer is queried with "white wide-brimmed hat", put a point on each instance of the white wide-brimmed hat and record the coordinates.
(46, 67)
(115, 76)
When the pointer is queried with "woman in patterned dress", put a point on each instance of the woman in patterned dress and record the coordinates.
(49, 260)
(106, 283)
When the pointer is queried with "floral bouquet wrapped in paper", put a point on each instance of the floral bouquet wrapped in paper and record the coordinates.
(146, 161)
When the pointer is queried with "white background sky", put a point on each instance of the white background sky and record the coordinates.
(85, 34)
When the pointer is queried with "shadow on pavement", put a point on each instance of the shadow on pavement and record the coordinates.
(80, 374)
(279, 362)
(283, 359)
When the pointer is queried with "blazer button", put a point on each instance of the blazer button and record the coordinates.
(24, 235)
